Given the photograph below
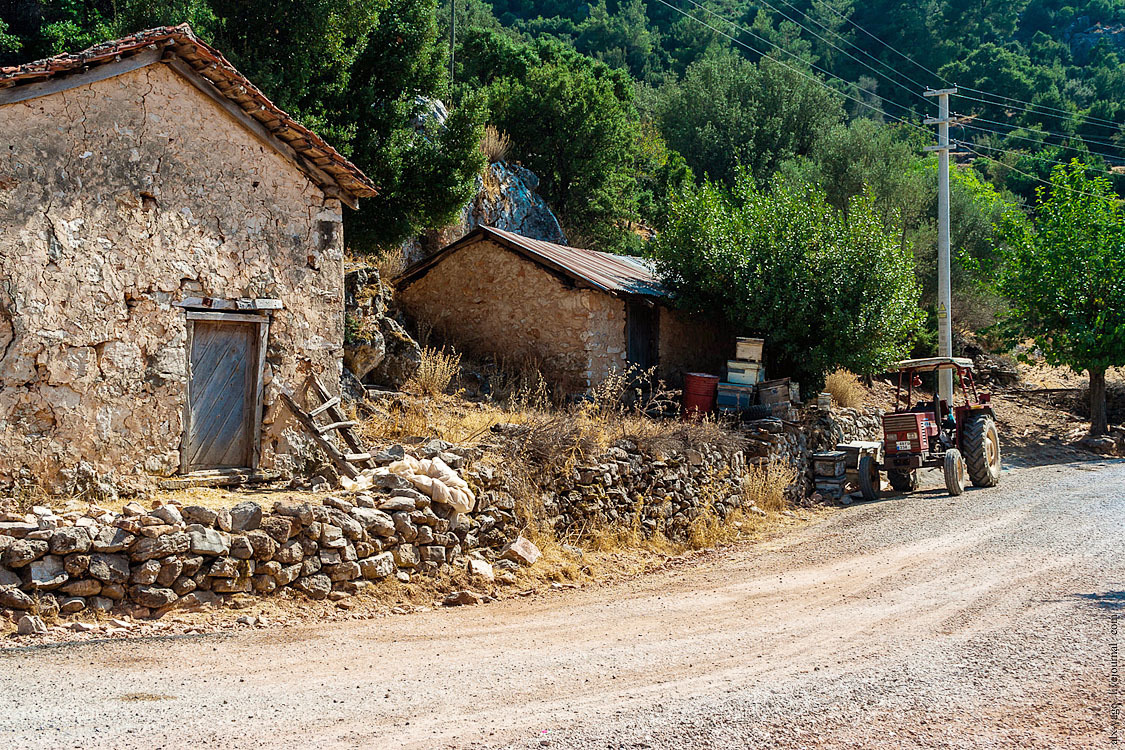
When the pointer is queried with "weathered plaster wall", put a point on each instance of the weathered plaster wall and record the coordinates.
(690, 343)
(490, 301)
(118, 199)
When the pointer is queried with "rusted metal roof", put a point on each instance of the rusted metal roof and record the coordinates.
(325, 166)
(619, 275)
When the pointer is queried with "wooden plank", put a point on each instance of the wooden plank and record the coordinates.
(334, 401)
(259, 395)
(354, 457)
(335, 426)
(310, 426)
(64, 81)
(335, 414)
(185, 464)
(223, 317)
(214, 303)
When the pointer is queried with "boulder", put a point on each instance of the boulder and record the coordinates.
(376, 522)
(145, 573)
(314, 586)
(168, 514)
(481, 568)
(13, 598)
(48, 573)
(458, 598)
(197, 514)
(240, 547)
(83, 587)
(378, 567)
(152, 597)
(262, 545)
(246, 516)
(405, 556)
(208, 541)
(522, 551)
(69, 540)
(69, 605)
(31, 625)
(109, 568)
(112, 539)
(278, 527)
(8, 578)
(161, 546)
(23, 552)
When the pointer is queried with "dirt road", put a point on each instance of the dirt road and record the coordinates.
(926, 621)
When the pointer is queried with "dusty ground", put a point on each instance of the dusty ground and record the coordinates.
(918, 621)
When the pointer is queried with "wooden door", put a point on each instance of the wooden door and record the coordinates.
(221, 430)
(641, 334)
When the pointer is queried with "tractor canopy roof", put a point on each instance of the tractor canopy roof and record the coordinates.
(930, 364)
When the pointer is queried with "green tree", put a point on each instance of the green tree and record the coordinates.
(1064, 278)
(824, 291)
(425, 171)
(728, 112)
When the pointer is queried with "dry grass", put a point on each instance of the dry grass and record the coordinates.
(495, 144)
(846, 390)
(390, 263)
(766, 486)
(438, 369)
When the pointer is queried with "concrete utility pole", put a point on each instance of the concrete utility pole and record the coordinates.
(452, 44)
(944, 312)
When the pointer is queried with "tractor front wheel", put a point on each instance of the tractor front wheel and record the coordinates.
(903, 481)
(982, 451)
(954, 472)
(868, 478)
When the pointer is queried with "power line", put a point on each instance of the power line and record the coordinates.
(1075, 149)
(797, 70)
(1040, 179)
(1031, 108)
(1043, 108)
(1038, 157)
(1071, 136)
(818, 36)
(852, 44)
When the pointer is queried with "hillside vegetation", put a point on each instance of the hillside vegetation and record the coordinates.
(628, 109)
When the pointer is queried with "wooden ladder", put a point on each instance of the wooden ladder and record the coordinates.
(330, 407)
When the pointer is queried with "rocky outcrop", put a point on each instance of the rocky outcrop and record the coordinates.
(377, 349)
(506, 198)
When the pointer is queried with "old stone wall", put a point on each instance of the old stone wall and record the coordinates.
(489, 301)
(146, 562)
(118, 199)
(691, 343)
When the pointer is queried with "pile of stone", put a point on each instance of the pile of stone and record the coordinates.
(148, 562)
(661, 491)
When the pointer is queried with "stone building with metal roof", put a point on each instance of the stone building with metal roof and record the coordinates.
(171, 254)
(576, 314)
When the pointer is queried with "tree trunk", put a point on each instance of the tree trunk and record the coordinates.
(1098, 424)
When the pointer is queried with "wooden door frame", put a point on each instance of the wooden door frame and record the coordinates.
(262, 321)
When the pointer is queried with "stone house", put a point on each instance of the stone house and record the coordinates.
(578, 314)
(171, 254)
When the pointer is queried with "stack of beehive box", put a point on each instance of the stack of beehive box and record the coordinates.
(830, 470)
(744, 372)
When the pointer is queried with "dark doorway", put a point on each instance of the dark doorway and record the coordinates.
(642, 322)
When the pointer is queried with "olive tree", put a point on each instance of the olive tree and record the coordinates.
(1064, 277)
(824, 289)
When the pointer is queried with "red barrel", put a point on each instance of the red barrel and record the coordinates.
(699, 393)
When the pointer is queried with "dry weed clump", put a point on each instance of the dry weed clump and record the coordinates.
(766, 485)
(438, 369)
(390, 263)
(845, 388)
(495, 144)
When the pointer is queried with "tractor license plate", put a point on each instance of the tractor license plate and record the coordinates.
(903, 445)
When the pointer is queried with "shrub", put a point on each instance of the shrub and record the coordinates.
(437, 370)
(845, 389)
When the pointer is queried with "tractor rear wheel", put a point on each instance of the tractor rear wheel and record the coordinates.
(982, 451)
(954, 472)
(868, 478)
(903, 481)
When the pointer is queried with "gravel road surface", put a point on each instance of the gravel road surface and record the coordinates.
(922, 621)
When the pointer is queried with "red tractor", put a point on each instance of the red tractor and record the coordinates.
(928, 434)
